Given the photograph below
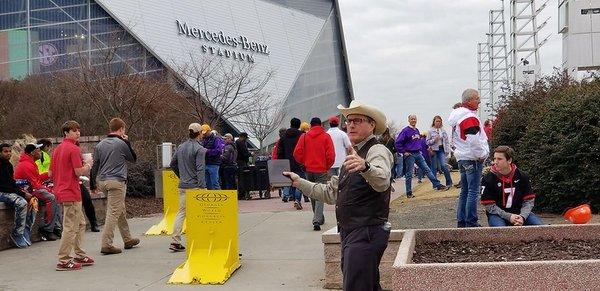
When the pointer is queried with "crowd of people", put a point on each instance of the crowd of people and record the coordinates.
(55, 180)
(351, 165)
(361, 190)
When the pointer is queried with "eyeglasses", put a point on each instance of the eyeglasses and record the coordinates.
(356, 121)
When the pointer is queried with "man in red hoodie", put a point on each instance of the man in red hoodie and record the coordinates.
(315, 151)
(28, 170)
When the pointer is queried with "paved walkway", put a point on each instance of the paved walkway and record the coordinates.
(280, 251)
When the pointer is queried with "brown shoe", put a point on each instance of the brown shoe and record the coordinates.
(110, 250)
(131, 243)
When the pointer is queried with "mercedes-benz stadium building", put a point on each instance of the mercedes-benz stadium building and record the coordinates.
(301, 41)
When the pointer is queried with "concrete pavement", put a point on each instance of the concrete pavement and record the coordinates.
(279, 251)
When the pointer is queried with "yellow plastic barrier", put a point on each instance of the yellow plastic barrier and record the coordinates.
(170, 205)
(212, 238)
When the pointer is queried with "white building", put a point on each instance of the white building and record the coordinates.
(579, 23)
(301, 41)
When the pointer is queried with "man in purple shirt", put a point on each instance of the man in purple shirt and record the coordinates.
(408, 143)
(214, 149)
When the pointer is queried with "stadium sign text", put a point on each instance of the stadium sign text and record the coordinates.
(222, 39)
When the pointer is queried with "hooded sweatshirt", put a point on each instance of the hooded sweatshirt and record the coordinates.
(468, 135)
(504, 195)
(28, 170)
(287, 144)
(214, 149)
(315, 150)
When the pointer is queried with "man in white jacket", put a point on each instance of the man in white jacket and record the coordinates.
(471, 151)
(341, 144)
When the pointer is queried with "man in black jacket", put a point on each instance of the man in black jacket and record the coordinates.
(361, 194)
(285, 150)
(506, 192)
(243, 154)
(229, 165)
(13, 196)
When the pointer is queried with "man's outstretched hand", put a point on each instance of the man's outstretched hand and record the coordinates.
(294, 177)
(354, 162)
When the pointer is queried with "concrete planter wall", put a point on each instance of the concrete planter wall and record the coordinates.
(332, 249)
(530, 275)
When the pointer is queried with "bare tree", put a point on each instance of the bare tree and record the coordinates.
(222, 89)
(264, 119)
(95, 87)
(393, 127)
(112, 86)
(8, 93)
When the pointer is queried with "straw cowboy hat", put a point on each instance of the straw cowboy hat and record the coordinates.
(356, 107)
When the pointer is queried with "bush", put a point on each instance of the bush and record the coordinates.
(140, 175)
(140, 179)
(516, 115)
(554, 127)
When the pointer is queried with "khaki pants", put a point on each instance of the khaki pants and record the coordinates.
(178, 224)
(115, 211)
(73, 230)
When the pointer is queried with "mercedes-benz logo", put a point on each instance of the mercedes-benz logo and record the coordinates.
(211, 197)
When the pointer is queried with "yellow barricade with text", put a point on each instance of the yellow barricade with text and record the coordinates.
(170, 205)
(212, 238)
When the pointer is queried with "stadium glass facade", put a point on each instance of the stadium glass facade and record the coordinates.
(301, 41)
(41, 36)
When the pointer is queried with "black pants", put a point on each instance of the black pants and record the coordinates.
(362, 249)
(229, 173)
(88, 206)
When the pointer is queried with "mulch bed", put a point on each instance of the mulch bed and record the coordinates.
(141, 207)
(538, 250)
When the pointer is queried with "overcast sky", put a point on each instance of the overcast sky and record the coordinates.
(416, 56)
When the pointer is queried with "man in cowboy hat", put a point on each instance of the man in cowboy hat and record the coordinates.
(362, 194)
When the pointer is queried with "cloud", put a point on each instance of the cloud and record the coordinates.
(415, 56)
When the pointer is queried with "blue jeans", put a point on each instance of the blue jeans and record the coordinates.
(293, 192)
(410, 161)
(470, 184)
(495, 220)
(439, 161)
(399, 166)
(23, 218)
(290, 192)
(212, 177)
(421, 173)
